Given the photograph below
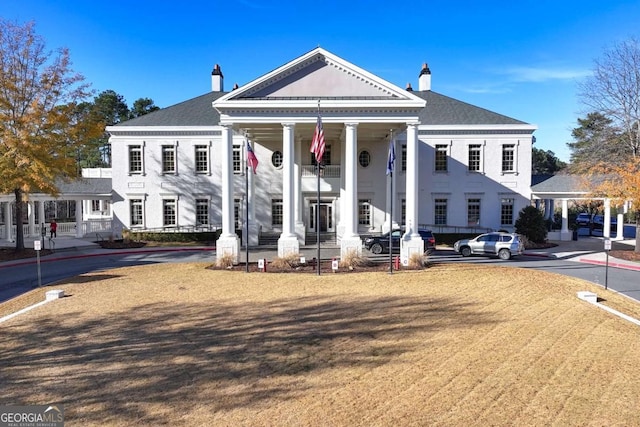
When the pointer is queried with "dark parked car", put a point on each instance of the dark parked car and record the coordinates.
(598, 222)
(380, 244)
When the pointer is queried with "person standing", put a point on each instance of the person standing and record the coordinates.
(54, 229)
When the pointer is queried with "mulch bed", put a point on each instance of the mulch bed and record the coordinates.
(11, 254)
(310, 268)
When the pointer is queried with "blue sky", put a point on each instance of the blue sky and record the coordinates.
(518, 58)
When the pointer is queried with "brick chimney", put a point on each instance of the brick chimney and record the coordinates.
(217, 79)
(424, 80)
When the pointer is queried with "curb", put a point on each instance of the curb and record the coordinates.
(611, 264)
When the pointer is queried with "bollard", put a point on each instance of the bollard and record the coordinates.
(396, 263)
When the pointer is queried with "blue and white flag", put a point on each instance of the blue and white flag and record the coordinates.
(392, 157)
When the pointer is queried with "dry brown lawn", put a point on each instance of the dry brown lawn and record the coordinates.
(454, 345)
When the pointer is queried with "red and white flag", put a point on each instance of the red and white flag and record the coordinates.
(252, 160)
(317, 144)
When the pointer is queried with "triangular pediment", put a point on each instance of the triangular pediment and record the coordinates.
(319, 75)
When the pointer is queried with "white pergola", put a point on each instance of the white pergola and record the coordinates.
(572, 187)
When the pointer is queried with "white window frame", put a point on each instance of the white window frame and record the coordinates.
(479, 147)
(173, 150)
(510, 201)
(199, 202)
(140, 148)
(365, 212)
(167, 198)
(515, 146)
(275, 202)
(143, 199)
(206, 149)
(438, 202)
(447, 150)
(236, 156)
(473, 199)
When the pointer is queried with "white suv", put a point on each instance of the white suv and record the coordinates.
(504, 245)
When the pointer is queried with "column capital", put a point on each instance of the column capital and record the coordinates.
(351, 124)
(413, 123)
(288, 124)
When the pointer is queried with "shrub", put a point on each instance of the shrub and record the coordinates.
(288, 262)
(531, 224)
(417, 261)
(352, 260)
(225, 261)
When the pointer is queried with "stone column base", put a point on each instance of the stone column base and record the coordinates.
(350, 244)
(288, 245)
(226, 246)
(410, 245)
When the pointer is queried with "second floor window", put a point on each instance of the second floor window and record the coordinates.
(237, 159)
(441, 158)
(202, 159)
(135, 159)
(403, 158)
(474, 158)
(508, 158)
(168, 159)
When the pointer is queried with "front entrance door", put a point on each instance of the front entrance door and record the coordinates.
(326, 216)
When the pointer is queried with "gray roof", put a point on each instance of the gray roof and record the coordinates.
(443, 110)
(440, 110)
(563, 184)
(193, 112)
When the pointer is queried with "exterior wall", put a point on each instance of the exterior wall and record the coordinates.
(456, 185)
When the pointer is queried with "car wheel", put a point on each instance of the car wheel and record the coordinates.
(466, 251)
(376, 248)
(504, 254)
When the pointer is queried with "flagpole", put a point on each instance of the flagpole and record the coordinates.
(391, 210)
(246, 212)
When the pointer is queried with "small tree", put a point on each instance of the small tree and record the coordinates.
(530, 223)
(39, 94)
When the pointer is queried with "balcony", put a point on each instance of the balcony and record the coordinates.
(329, 178)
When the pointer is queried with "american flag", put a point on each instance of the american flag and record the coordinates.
(317, 144)
(252, 160)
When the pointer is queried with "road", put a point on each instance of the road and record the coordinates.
(19, 279)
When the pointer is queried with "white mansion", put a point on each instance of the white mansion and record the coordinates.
(457, 165)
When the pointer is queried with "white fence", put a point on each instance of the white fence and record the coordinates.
(64, 228)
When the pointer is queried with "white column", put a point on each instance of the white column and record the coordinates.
(79, 225)
(31, 216)
(228, 243)
(565, 234)
(41, 216)
(297, 191)
(350, 241)
(606, 227)
(8, 221)
(411, 242)
(288, 241)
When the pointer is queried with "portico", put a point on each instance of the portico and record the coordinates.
(278, 112)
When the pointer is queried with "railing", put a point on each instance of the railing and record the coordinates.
(328, 171)
(455, 229)
(179, 229)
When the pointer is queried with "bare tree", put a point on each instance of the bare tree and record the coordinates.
(614, 91)
(38, 134)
